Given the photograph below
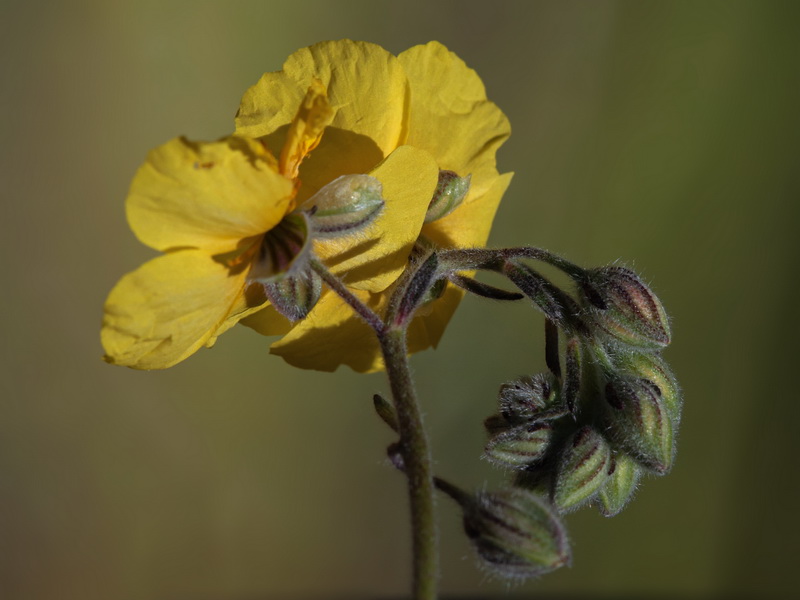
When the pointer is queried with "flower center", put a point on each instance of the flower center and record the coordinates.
(283, 250)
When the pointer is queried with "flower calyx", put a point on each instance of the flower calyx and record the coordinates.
(640, 423)
(450, 193)
(282, 265)
(624, 307)
(516, 534)
(345, 206)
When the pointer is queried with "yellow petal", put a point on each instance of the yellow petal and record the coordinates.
(333, 335)
(375, 257)
(366, 86)
(164, 311)
(305, 132)
(267, 321)
(254, 307)
(450, 116)
(206, 195)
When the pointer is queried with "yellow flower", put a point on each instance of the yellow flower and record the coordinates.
(426, 98)
(212, 207)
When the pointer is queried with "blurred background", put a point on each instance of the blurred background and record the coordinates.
(663, 134)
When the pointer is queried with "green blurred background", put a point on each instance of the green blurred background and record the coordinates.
(663, 134)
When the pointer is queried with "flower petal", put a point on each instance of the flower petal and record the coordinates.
(374, 258)
(305, 132)
(164, 311)
(206, 195)
(333, 335)
(254, 310)
(450, 116)
(267, 321)
(366, 86)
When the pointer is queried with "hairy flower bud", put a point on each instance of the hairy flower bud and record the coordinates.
(623, 478)
(652, 367)
(295, 295)
(624, 307)
(345, 205)
(516, 533)
(449, 194)
(533, 397)
(640, 422)
(518, 447)
(583, 469)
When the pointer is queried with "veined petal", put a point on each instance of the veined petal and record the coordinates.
(333, 335)
(375, 257)
(450, 116)
(367, 88)
(165, 310)
(206, 195)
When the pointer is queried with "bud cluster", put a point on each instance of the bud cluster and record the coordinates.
(587, 436)
(585, 432)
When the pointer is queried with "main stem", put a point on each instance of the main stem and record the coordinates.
(417, 462)
(413, 441)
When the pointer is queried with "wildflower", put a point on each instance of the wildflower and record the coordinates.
(426, 98)
(215, 210)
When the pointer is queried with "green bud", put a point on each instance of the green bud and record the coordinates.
(449, 194)
(345, 205)
(652, 367)
(623, 478)
(516, 534)
(640, 422)
(518, 447)
(583, 469)
(533, 397)
(284, 250)
(624, 307)
(296, 294)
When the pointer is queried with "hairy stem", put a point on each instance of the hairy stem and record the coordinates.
(417, 462)
(413, 440)
(361, 309)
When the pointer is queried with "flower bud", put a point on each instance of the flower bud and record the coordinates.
(518, 447)
(640, 422)
(449, 194)
(652, 367)
(516, 534)
(624, 307)
(345, 205)
(623, 478)
(530, 398)
(583, 469)
(296, 294)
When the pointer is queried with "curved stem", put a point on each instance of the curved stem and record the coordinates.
(417, 461)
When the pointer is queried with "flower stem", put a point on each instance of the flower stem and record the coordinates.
(413, 440)
(417, 461)
(361, 309)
